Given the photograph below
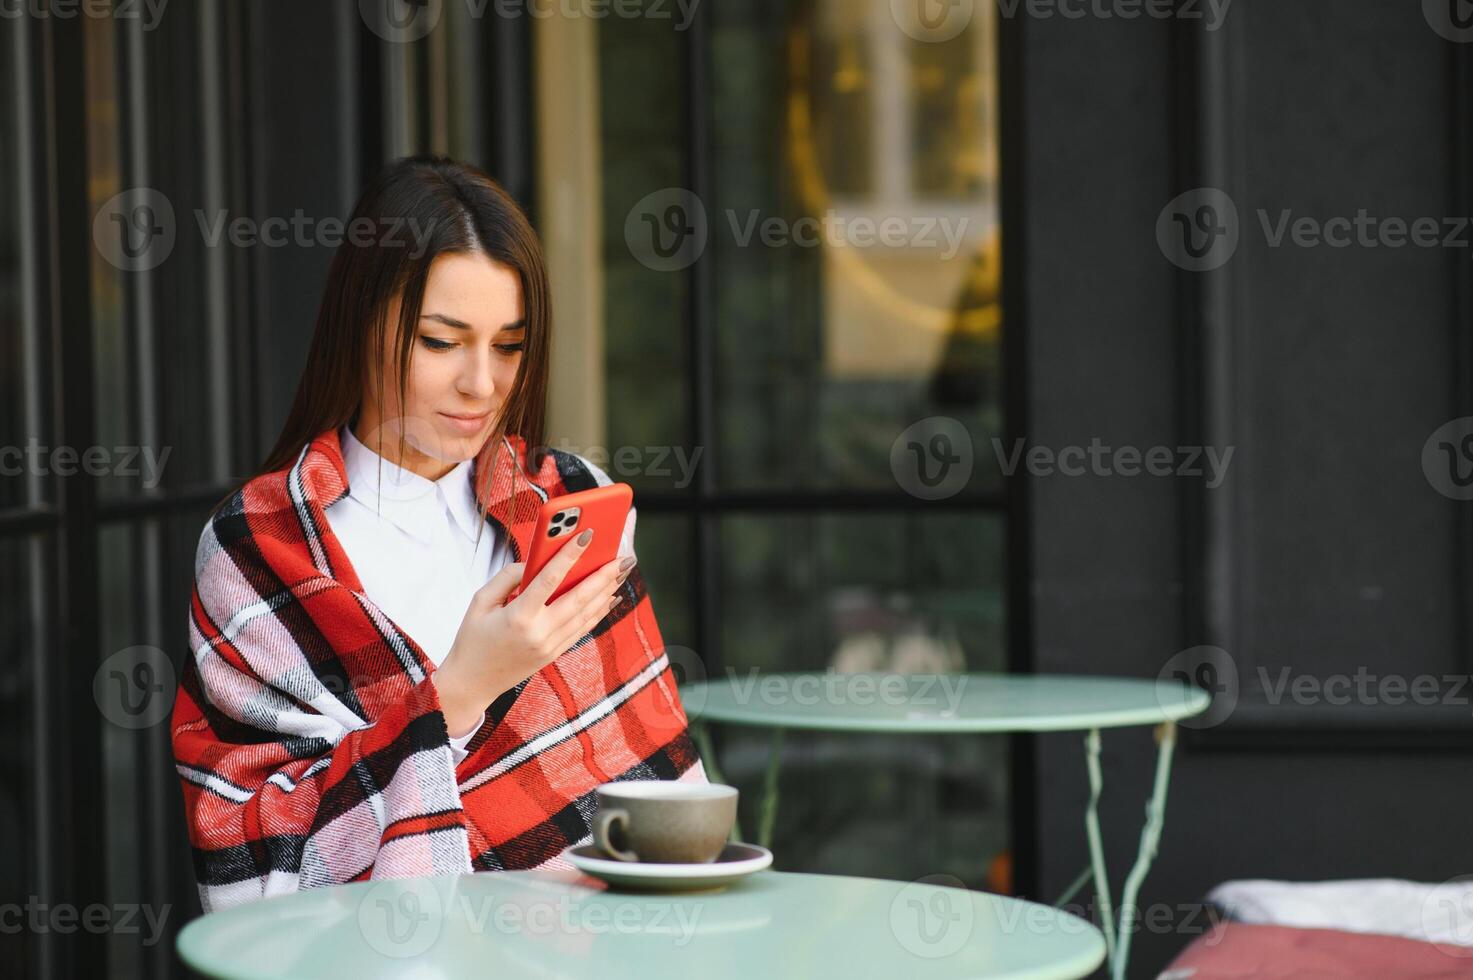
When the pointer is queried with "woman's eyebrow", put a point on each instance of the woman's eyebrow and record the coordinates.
(451, 321)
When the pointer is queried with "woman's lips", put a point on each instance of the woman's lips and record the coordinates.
(470, 425)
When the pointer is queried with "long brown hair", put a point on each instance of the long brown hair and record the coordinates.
(419, 208)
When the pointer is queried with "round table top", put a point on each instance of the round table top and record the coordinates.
(556, 923)
(976, 702)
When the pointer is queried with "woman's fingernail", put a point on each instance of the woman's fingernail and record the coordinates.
(585, 537)
(614, 602)
(626, 564)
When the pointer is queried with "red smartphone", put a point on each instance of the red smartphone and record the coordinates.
(561, 519)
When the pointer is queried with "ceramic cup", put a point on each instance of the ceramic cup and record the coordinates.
(660, 821)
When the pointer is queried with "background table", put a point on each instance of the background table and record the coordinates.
(965, 703)
(530, 924)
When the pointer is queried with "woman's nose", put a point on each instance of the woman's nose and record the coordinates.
(477, 380)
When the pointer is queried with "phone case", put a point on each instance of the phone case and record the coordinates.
(561, 519)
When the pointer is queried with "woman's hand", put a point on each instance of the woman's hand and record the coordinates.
(500, 645)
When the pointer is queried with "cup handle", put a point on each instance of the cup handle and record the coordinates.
(603, 822)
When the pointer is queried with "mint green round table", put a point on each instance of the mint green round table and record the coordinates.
(530, 924)
(965, 703)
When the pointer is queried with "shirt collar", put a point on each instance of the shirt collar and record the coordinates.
(404, 497)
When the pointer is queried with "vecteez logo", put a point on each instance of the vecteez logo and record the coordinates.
(1208, 668)
(666, 230)
(1198, 230)
(1447, 459)
(1451, 19)
(935, 21)
(400, 21)
(932, 459)
(134, 230)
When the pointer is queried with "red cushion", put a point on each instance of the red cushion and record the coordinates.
(1235, 949)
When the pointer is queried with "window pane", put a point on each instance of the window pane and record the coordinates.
(120, 586)
(953, 130)
(879, 805)
(904, 593)
(641, 153)
(854, 241)
(116, 378)
(161, 300)
(851, 241)
(145, 571)
(24, 566)
(662, 543)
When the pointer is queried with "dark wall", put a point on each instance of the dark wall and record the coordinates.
(1326, 550)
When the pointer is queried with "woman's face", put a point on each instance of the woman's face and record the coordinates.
(462, 363)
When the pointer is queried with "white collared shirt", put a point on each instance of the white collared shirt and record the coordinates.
(413, 542)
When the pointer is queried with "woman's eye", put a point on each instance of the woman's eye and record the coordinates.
(434, 343)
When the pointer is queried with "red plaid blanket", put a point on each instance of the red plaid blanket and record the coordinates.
(310, 743)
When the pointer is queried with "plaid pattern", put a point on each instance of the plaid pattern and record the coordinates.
(310, 743)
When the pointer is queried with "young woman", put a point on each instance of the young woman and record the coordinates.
(362, 701)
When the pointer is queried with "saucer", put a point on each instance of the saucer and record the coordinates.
(735, 862)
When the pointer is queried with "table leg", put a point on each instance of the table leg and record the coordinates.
(713, 772)
(1118, 932)
(1085, 877)
(769, 790)
(1150, 838)
(1096, 844)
